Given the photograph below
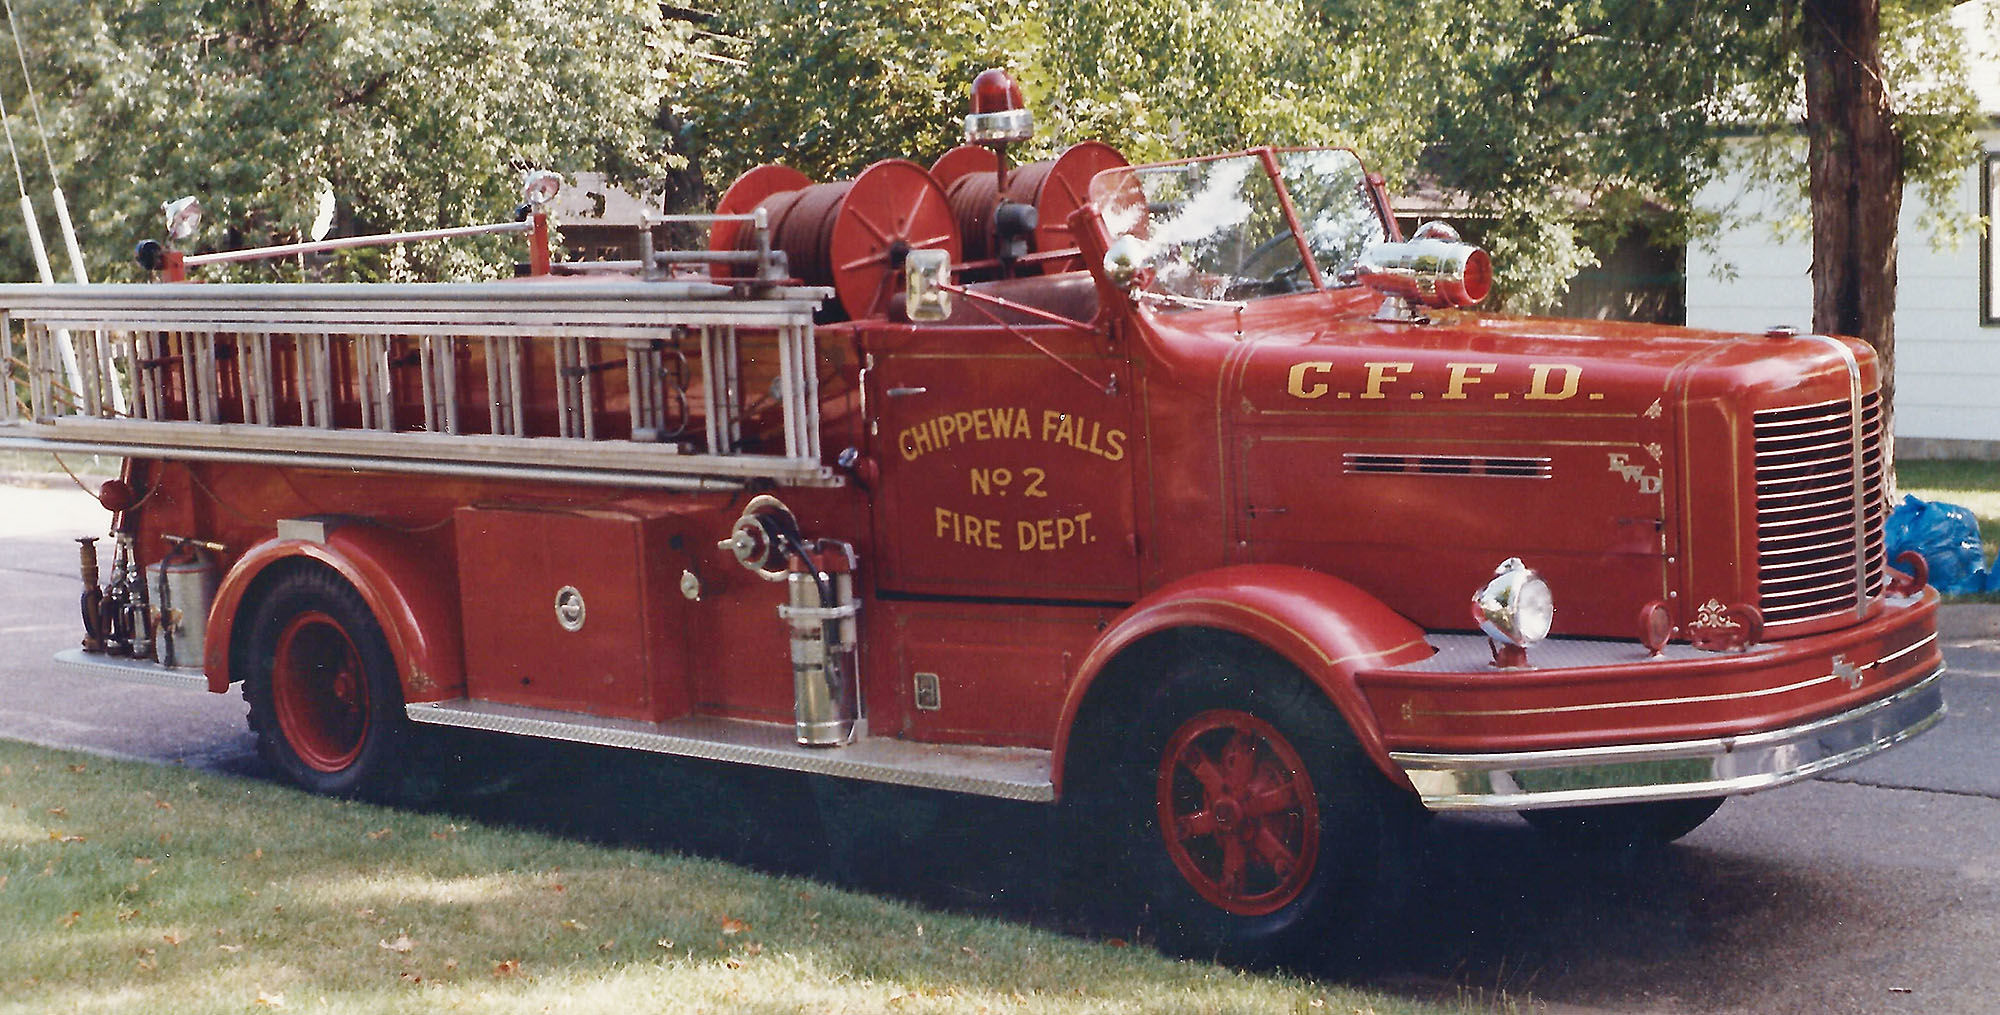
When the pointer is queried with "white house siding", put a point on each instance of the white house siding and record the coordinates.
(1947, 364)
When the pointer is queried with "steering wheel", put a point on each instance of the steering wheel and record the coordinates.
(1251, 281)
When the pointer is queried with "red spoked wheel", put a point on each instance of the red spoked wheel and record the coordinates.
(319, 693)
(1238, 812)
(1228, 805)
(325, 699)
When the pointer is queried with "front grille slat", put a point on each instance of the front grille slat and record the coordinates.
(1805, 513)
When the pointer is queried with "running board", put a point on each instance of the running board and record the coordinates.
(1010, 773)
(138, 671)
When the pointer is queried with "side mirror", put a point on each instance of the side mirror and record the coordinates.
(1125, 260)
(925, 274)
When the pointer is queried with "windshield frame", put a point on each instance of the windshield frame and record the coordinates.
(1111, 195)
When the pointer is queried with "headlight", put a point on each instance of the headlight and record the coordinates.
(1514, 608)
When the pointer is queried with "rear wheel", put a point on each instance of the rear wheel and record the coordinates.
(1235, 808)
(1622, 826)
(325, 701)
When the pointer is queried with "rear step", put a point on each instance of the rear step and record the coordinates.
(1010, 773)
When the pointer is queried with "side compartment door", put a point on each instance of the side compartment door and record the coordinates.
(1005, 471)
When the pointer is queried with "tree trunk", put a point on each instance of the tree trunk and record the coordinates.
(1855, 157)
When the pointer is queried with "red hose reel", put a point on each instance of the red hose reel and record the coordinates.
(851, 235)
(1053, 188)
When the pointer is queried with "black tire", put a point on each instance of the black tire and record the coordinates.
(1622, 826)
(1252, 722)
(325, 701)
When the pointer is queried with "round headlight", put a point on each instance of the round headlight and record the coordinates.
(1515, 607)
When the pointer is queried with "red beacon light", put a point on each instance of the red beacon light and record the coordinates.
(999, 112)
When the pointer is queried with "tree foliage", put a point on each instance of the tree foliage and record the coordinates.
(1561, 122)
(417, 113)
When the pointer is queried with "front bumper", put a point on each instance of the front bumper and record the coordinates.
(1631, 773)
(1606, 722)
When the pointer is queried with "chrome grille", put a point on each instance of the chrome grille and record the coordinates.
(1806, 548)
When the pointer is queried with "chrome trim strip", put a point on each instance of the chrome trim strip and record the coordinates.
(1856, 427)
(1632, 773)
(1010, 773)
(137, 671)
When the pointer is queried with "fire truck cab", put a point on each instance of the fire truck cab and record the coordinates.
(1188, 496)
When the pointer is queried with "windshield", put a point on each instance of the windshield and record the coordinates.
(1216, 229)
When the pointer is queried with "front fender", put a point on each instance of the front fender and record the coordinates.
(1326, 627)
(413, 596)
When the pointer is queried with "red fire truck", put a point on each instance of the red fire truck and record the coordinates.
(1190, 497)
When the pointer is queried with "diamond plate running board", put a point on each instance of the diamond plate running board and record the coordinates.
(138, 671)
(1010, 773)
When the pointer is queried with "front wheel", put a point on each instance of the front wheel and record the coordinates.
(1241, 814)
(325, 701)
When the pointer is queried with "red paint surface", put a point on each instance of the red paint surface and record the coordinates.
(1039, 498)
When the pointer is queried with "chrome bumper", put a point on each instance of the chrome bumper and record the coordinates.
(1629, 773)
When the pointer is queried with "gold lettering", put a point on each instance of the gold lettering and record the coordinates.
(1461, 376)
(982, 424)
(1115, 442)
(1051, 420)
(946, 523)
(1384, 373)
(1538, 387)
(1296, 384)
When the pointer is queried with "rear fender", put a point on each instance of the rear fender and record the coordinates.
(413, 596)
(1326, 627)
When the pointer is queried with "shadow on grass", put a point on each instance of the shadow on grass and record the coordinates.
(1487, 910)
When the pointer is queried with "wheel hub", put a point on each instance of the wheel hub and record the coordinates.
(1238, 812)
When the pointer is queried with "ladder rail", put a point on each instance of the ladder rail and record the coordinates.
(390, 351)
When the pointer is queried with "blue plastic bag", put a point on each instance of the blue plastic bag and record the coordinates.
(1947, 536)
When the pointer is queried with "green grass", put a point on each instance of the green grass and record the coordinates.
(1971, 485)
(133, 888)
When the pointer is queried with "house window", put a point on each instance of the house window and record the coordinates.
(1989, 240)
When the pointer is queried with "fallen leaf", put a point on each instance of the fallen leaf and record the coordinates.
(753, 948)
(379, 834)
(731, 926)
(573, 925)
(1119, 942)
(256, 854)
(270, 1000)
(231, 949)
(511, 967)
(67, 838)
(142, 860)
(70, 920)
(78, 769)
(364, 912)
(143, 951)
(401, 945)
(127, 914)
(967, 949)
(557, 887)
(3, 881)
(607, 946)
(163, 805)
(173, 939)
(61, 812)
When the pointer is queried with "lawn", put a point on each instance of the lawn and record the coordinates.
(134, 888)
(1969, 484)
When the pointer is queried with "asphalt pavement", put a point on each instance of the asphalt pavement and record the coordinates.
(1873, 889)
